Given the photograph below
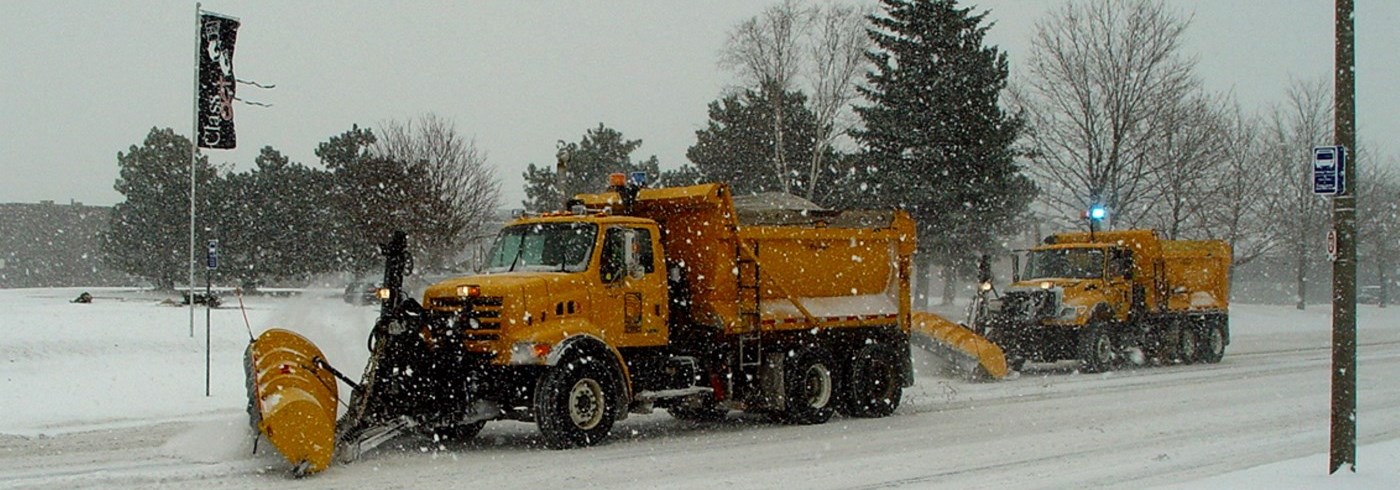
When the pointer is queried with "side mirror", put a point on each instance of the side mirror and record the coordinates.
(1015, 268)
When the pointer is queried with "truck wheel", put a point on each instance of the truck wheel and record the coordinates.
(809, 389)
(873, 389)
(1095, 349)
(1212, 348)
(574, 402)
(1187, 344)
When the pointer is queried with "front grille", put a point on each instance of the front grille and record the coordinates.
(1029, 305)
(486, 310)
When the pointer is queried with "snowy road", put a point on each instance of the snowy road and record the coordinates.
(1268, 401)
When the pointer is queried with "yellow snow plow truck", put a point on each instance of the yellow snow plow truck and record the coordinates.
(631, 300)
(1111, 296)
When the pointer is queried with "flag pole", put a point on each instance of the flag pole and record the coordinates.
(194, 155)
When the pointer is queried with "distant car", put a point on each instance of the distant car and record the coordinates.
(362, 293)
(1369, 295)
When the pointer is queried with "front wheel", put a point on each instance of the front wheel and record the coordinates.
(1095, 349)
(575, 402)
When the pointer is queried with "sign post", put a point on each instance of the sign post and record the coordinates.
(212, 260)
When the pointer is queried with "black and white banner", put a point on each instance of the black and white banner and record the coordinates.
(214, 122)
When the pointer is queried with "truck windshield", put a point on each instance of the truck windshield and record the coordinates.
(1067, 263)
(554, 247)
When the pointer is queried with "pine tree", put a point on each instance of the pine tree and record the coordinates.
(149, 232)
(601, 152)
(736, 146)
(936, 140)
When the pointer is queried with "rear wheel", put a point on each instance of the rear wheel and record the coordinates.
(574, 402)
(1095, 349)
(1213, 344)
(873, 388)
(1187, 344)
(809, 389)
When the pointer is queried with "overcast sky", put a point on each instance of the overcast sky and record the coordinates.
(81, 81)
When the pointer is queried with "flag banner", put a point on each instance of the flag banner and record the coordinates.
(216, 83)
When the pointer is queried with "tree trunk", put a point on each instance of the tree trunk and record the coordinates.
(950, 280)
(921, 285)
(1301, 254)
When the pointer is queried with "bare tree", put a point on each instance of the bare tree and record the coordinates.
(1378, 220)
(837, 52)
(1103, 79)
(1185, 157)
(1293, 130)
(466, 188)
(1236, 205)
(766, 49)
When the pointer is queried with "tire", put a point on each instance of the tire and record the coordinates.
(810, 390)
(1212, 344)
(1187, 344)
(873, 388)
(1095, 349)
(575, 402)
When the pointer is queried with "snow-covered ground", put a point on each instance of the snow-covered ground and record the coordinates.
(112, 394)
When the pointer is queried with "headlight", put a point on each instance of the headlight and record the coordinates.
(468, 291)
(529, 353)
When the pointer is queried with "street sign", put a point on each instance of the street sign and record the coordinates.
(1328, 177)
(1331, 245)
(213, 256)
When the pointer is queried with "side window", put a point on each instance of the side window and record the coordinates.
(644, 251)
(627, 251)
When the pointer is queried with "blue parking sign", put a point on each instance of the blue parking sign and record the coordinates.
(1328, 165)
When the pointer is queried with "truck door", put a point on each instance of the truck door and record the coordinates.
(1120, 282)
(633, 302)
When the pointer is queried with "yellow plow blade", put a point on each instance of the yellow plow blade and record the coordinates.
(291, 399)
(942, 337)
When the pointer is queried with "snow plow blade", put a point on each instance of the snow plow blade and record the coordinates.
(965, 349)
(292, 399)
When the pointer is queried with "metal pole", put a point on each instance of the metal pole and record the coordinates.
(208, 305)
(1343, 447)
(194, 155)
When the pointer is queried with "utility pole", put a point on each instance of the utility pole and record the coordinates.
(1343, 449)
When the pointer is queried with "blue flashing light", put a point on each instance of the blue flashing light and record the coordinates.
(1098, 212)
(638, 179)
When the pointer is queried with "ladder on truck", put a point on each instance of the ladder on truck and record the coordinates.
(750, 309)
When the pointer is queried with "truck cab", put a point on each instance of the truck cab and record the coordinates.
(557, 276)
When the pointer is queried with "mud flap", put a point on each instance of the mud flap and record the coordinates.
(292, 400)
(967, 351)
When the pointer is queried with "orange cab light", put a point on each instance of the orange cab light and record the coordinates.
(617, 180)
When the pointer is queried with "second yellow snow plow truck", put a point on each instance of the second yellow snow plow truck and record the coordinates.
(636, 299)
(1111, 296)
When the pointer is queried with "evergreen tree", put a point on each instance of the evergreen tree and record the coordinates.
(149, 232)
(273, 221)
(936, 140)
(601, 152)
(736, 147)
